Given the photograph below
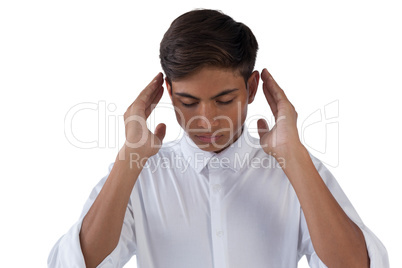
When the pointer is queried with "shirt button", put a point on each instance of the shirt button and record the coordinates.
(216, 187)
(213, 163)
(219, 233)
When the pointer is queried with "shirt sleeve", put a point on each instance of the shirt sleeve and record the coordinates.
(67, 250)
(377, 253)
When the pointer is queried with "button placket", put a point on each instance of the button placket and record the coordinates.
(215, 189)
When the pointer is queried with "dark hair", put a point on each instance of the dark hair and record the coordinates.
(201, 38)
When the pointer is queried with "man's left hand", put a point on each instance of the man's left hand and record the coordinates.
(283, 137)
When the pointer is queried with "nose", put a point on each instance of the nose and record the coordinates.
(206, 117)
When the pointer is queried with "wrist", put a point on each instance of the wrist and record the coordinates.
(289, 150)
(297, 161)
(132, 157)
(290, 155)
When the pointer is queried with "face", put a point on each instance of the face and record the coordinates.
(211, 105)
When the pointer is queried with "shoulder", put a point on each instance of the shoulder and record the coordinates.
(256, 158)
(169, 149)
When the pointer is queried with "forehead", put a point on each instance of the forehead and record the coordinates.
(208, 81)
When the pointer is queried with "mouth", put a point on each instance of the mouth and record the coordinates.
(208, 138)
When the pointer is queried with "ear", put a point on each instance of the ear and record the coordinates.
(252, 83)
(169, 88)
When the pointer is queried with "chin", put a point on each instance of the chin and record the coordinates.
(210, 146)
(213, 141)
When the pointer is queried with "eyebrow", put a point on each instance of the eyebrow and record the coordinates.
(227, 91)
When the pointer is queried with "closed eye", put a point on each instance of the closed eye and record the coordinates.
(189, 104)
(194, 103)
(224, 102)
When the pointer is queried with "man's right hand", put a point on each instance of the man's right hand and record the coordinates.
(138, 137)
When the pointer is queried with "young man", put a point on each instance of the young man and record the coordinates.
(217, 197)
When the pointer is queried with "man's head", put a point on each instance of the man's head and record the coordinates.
(202, 38)
(206, 53)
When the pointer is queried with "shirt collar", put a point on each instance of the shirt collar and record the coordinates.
(231, 157)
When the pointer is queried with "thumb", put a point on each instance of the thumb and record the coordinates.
(263, 127)
(160, 131)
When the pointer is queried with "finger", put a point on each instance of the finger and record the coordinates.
(154, 96)
(154, 102)
(276, 92)
(148, 93)
(160, 131)
(265, 75)
(263, 127)
(146, 96)
(271, 101)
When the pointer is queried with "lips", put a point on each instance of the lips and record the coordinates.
(208, 138)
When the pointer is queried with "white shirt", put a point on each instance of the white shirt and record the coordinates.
(192, 208)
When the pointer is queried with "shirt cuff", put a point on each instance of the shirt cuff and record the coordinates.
(67, 251)
(377, 253)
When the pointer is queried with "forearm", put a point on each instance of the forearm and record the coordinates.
(336, 239)
(101, 227)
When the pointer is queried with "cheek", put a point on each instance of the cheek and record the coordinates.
(236, 114)
(184, 117)
(180, 113)
(241, 108)
(244, 110)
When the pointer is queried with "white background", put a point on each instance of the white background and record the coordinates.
(57, 54)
